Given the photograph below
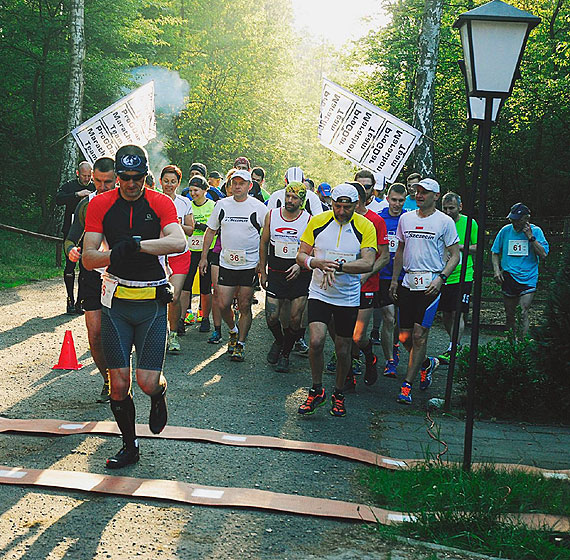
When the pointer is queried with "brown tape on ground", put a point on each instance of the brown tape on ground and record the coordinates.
(64, 428)
(233, 497)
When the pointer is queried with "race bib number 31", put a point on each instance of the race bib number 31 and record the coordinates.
(419, 281)
(518, 248)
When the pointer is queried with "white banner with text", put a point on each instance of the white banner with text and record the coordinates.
(131, 120)
(364, 134)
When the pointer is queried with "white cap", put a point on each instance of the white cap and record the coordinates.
(345, 190)
(429, 185)
(243, 173)
(294, 174)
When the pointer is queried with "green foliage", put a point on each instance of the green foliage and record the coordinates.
(24, 259)
(464, 509)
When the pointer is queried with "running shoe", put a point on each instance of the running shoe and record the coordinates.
(78, 309)
(282, 364)
(349, 384)
(189, 319)
(314, 400)
(444, 357)
(337, 405)
(273, 354)
(173, 346)
(215, 337)
(158, 413)
(204, 325)
(426, 373)
(405, 396)
(371, 373)
(331, 366)
(396, 354)
(232, 342)
(390, 369)
(238, 354)
(301, 347)
(375, 336)
(126, 456)
(105, 395)
(181, 329)
(356, 366)
(70, 307)
(199, 316)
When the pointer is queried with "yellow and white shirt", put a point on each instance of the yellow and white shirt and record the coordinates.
(338, 242)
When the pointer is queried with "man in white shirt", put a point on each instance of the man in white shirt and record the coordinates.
(239, 219)
(312, 203)
(423, 236)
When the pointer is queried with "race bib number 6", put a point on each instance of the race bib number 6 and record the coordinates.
(392, 243)
(286, 250)
(518, 248)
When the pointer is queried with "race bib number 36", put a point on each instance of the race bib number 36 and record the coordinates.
(235, 256)
(518, 248)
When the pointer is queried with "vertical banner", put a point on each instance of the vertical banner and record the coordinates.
(363, 133)
(130, 120)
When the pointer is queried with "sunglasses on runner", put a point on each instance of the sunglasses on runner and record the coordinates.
(137, 177)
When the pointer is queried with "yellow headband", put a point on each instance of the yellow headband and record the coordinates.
(298, 189)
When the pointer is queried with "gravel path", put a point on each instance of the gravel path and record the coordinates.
(206, 390)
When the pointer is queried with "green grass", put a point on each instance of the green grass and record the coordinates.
(24, 259)
(459, 509)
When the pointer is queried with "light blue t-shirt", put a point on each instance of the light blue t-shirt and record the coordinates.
(512, 246)
(410, 204)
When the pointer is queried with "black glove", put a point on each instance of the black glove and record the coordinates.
(201, 227)
(126, 247)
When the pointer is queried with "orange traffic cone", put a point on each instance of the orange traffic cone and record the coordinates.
(67, 356)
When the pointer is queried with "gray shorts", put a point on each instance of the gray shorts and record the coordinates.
(142, 323)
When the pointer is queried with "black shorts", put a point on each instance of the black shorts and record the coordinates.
(384, 298)
(205, 281)
(231, 277)
(279, 288)
(449, 295)
(213, 258)
(415, 307)
(511, 288)
(344, 317)
(368, 300)
(142, 323)
(89, 289)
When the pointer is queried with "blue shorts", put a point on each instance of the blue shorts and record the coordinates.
(128, 322)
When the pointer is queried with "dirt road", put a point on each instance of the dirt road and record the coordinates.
(206, 390)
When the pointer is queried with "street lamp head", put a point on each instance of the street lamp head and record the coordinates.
(493, 37)
(476, 105)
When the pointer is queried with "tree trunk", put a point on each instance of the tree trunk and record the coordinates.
(423, 156)
(75, 99)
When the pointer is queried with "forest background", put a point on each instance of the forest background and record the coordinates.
(254, 86)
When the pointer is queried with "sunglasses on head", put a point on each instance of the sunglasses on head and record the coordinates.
(137, 177)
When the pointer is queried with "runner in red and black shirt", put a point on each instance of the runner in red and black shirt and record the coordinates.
(135, 290)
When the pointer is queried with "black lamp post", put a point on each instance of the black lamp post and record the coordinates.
(493, 38)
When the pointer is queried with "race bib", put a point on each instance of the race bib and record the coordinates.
(235, 256)
(196, 242)
(392, 243)
(419, 281)
(286, 249)
(518, 248)
(108, 288)
(339, 256)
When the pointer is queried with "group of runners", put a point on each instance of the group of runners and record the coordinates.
(329, 258)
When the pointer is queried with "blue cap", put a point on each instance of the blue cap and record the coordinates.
(324, 189)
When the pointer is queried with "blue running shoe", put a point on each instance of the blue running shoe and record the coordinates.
(390, 369)
(396, 354)
(405, 396)
(426, 374)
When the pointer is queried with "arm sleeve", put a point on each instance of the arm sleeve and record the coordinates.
(77, 227)
(65, 195)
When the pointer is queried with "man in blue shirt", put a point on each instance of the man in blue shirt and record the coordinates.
(515, 254)
(411, 182)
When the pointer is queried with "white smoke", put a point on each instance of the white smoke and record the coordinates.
(170, 96)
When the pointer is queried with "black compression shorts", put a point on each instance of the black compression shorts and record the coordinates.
(279, 288)
(89, 289)
(128, 322)
(344, 317)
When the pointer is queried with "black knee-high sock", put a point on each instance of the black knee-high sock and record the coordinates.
(124, 413)
(368, 354)
(277, 332)
(289, 338)
(69, 280)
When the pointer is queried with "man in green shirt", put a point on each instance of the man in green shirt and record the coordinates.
(448, 303)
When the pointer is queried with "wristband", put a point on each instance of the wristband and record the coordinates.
(443, 277)
(308, 263)
(340, 265)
